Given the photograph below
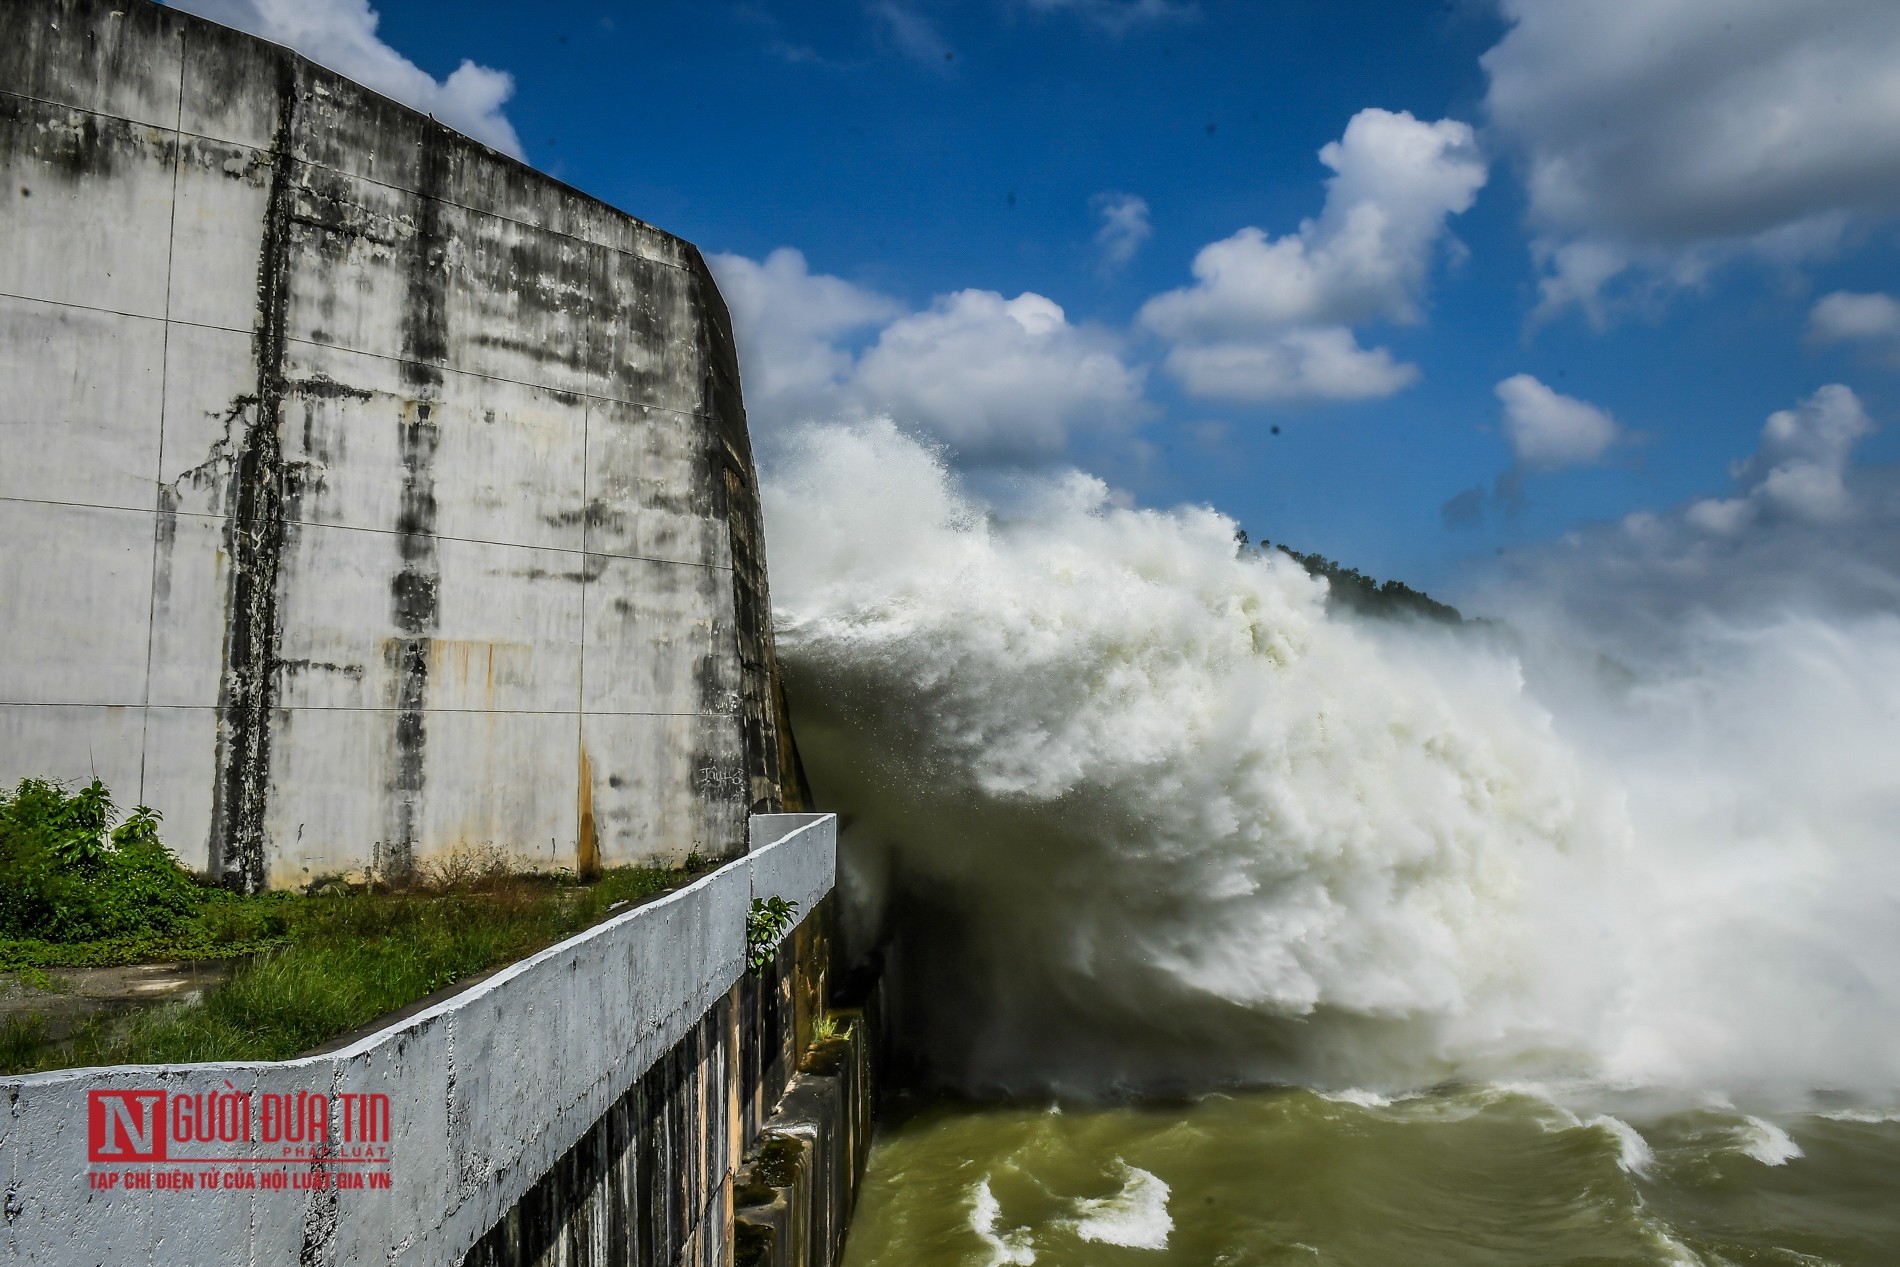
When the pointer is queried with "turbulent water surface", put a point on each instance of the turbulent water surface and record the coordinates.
(1465, 1178)
(1142, 820)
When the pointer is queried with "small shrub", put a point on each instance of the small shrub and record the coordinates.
(469, 868)
(764, 925)
(64, 877)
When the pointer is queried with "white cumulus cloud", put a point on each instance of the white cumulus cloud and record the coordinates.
(1800, 466)
(1124, 228)
(341, 34)
(794, 329)
(1000, 380)
(1548, 430)
(1269, 318)
(1659, 137)
(1316, 363)
(1805, 527)
(1870, 320)
(997, 378)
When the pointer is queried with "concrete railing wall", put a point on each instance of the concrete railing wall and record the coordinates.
(365, 495)
(488, 1092)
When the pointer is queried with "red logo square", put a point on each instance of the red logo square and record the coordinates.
(125, 1126)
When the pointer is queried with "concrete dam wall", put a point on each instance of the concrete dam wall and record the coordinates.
(592, 1105)
(365, 495)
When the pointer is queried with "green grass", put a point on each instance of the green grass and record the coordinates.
(320, 966)
(225, 926)
(78, 892)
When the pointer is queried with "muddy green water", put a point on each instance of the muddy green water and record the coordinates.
(1470, 1177)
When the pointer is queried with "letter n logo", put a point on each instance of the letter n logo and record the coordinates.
(127, 1126)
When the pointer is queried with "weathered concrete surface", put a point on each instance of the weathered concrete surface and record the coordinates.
(364, 494)
(654, 1181)
(633, 1049)
(803, 875)
(794, 1195)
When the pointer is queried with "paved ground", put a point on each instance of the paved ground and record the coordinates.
(79, 994)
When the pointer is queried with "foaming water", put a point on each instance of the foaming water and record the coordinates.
(1135, 1218)
(1148, 816)
(1767, 1143)
(1633, 1153)
(1455, 1177)
(1006, 1249)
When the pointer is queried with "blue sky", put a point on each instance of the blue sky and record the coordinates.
(1631, 214)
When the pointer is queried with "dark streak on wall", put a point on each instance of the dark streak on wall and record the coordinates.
(637, 1185)
(413, 608)
(413, 589)
(256, 539)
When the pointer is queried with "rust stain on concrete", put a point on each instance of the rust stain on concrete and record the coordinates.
(588, 849)
(474, 662)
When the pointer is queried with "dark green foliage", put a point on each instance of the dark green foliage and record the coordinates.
(74, 827)
(1364, 595)
(65, 878)
(764, 925)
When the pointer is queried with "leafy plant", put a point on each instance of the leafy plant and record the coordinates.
(764, 925)
(826, 1026)
(139, 828)
(34, 979)
(64, 877)
(77, 824)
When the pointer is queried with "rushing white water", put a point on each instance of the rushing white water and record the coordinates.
(1768, 1143)
(1633, 1153)
(1135, 1218)
(1006, 1249)
(1148, 813)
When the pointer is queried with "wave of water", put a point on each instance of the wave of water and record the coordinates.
(1146, 814)
(1482, 1174)
(1134, 1218)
